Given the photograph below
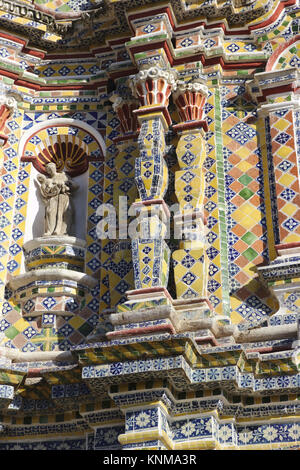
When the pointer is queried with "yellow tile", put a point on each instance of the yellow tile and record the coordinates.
(281, 124)
(244, 166)
(287, 179)
(238, 215)
(289, 209)
(284, 151)
(236, 317)
(247, 222)
(291, 238)
(21, 324)
(76, 322)
(226, 140)
(243, 152)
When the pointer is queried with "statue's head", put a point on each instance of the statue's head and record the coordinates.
(51, 169)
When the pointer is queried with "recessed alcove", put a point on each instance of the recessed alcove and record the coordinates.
(34, 227)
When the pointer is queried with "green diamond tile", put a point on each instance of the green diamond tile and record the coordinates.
(293, 50)
(11, 332)
(249, 238)
(245, 179)
(250, 254)
(246, 193)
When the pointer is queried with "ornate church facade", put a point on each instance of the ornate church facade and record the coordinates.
(149, 224)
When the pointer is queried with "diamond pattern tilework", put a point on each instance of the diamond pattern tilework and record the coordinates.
(245, 219)
(211, 208)
(11, 233)
(107, 245)
(120, 265)
(286, 175)
(246, 234)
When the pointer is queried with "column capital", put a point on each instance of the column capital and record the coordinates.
(123, 103)
(195, 86)
(9, 101)
(189, 98)
(156, 72)
(153, 85)
(8, 104)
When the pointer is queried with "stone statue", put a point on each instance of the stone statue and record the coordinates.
(56, 189)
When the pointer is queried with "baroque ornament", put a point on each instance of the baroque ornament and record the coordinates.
(153, 85)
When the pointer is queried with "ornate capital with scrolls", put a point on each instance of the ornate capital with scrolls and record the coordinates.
(153, 85)
(189, 98)
(7, 106)
(124, 105)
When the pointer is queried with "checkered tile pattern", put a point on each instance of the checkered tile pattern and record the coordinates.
(247, 237)
(286, 175)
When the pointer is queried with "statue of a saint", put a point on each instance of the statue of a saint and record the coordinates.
(56, 189)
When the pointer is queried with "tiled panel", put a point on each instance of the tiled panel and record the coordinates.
(107, 245)
(286, 174)
(13, 197)
(245, 207)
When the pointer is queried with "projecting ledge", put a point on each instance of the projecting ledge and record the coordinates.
(39, 275)
(52, 290)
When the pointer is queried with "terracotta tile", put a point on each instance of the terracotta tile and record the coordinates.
(254, 186)
(75, 337)
(235, 173)
(19, 341)
(258, 230)
(253, 172)
(239, 230)
(237, 200)
(242, 278)
(255, 200)
(240, 246)
(241, 261)
(252, 159)
(12, 317)
(236, 186)
(234, 159)
(258, 246)
(243, 293)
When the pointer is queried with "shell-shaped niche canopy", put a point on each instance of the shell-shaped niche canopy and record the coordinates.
(69, 147)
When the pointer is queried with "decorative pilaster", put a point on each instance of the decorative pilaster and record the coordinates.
(124, 192)
(283, 273)
(150, 253)
(279, 113)
(150, 300)
(190, 261)
(286, 173)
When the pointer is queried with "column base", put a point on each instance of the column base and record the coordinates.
(153, 311)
